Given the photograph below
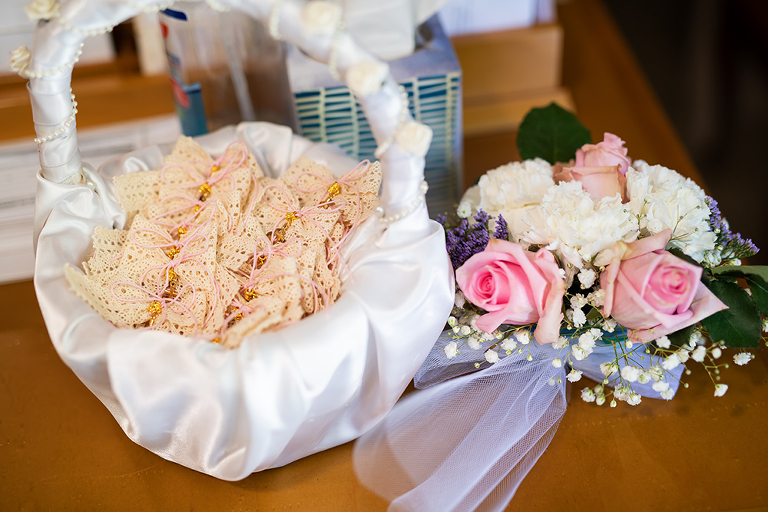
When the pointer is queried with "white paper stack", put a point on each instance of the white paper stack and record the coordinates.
(18, 170)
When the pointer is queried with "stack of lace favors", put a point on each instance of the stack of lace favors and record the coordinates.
(217, 250)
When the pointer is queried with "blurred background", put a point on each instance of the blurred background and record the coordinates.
(707, 60)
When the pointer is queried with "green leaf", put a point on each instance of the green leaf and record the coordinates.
(755, 276)
(739, 326)
(681, 337)
(551, 133)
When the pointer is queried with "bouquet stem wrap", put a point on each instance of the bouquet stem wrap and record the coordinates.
(467, 443)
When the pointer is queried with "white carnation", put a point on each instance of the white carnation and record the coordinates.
(576, 228)
(663, 199)
(512, 189)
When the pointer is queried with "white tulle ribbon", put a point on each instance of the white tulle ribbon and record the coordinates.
(466, 443)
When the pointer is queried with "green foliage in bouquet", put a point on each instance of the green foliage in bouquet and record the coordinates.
(551, 133)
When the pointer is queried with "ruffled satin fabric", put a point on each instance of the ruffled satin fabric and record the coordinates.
(281, 395)
(467, 440)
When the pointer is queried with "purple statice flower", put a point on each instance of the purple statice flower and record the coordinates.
(729, 244)
(468, 239)
(502, 233)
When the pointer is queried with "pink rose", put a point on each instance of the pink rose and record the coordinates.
(598, 182)
(609, 153)
(516, 287)
(600, 168)
(652, 292)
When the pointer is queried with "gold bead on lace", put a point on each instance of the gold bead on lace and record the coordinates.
(261, 260)
(155, 310)
(173, 252)
(249, 294)
(334, 189)
(205, 191)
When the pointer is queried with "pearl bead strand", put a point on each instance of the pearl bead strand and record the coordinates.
(409, 208)
(66, 126)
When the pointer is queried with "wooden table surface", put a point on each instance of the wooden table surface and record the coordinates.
(60, 449)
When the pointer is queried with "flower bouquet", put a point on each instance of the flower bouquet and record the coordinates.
(576, 262)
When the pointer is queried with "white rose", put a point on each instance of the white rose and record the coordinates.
(20, 58)
(414, 138)
(451, 349)
(320, 17)
(365, 78)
